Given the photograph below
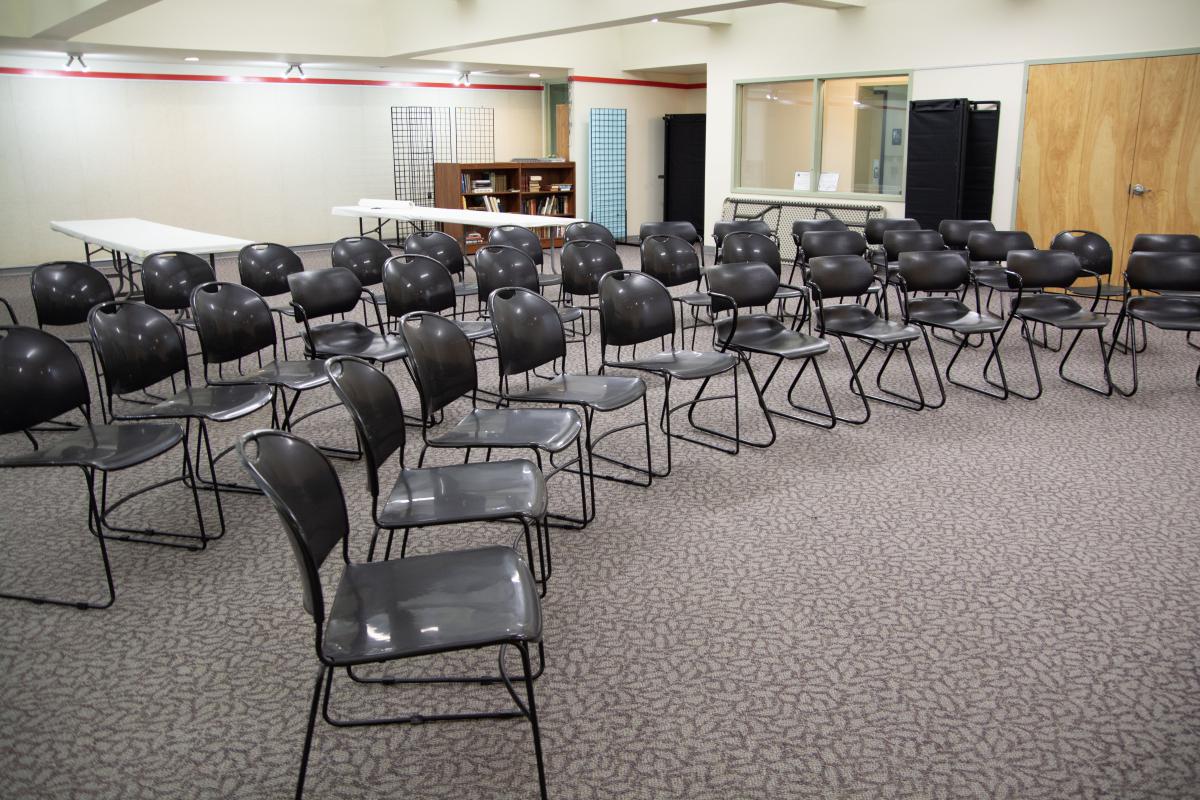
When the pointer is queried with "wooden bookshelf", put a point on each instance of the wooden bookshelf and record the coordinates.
(510, 186)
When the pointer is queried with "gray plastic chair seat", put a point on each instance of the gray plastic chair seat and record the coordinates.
(993, 278)
(551, 429)
(860, 322)
(1177, 293)
(296, 375)
(760, 333)
(475, 328)
(683, 364)
(788, 293)
(549, 279)
(430, 604)
(219, 403)
(1089, 290)
(347, 338)
(599, 392)
(1172, 313)
(104, 447)
(465, 289)
(465, 492)
(1058, 310)
(695, 299)
(570, 314)
(950, 313)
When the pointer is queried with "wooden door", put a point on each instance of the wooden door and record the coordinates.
(1167, 160)
(562, 128)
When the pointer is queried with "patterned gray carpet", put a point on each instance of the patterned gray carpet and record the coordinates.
(990, 600)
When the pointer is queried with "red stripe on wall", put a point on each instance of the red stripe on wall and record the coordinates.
(633, 82)
(170, 76)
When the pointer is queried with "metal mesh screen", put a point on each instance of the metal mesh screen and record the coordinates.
(421, 135)
(780, 214)
(474, 135)
(606, 168)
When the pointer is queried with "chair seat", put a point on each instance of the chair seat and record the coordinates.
(1172, 313)
(994, 278)
(860, 322)
(465, 289)
(551, 429)
(465, 492)
(685, 365)
(104, 447)
(599, 392)
(475, 328)
(430, 604)
(1089, 290)
(695, 299)
(952, 314)
(549, 279)
(570, 314)
(788, 293)
(1058, 310)
(347, 338)
(218, 402)
(295, 375)
(760, 333)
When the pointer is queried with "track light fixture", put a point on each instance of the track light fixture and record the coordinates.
(464, 79)
(73, 58)
(294, 67)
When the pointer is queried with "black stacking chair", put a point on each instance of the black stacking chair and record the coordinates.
(1175, 278)
(444, 370)
(956, 232)
(264, 267)
(528, 243)
(835, 277)
(1031, 272)
(1096, 256)
(584, 262)
(672, 261)
(387, 611)
(1168, 243)
(325, 292)
(723, 228)
(744, 285)
(906, 240)
(684, 230)
(365, 257)
(636, 307)
(529, 334)
(139, 347)
(988, 251)
(235, 323)
(877, 227)
(817, 244)
(803, 226)
(43, 379)
(589, 232)
(414, 282)
(168, 279)
(445, 249)
(742, 247)
(946, 272)
(425, 497)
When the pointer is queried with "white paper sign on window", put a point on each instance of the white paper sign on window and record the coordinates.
(802, 182)
(828, 182)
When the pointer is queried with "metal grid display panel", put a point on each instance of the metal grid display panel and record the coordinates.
(421, 135)
(782, 213)
(606, 169)
(474, 135)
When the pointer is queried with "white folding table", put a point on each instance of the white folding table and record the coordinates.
(130, 240)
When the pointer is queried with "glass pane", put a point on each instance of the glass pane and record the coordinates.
(776, 135)
(863, 134)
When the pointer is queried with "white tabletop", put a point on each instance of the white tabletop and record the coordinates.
(406, 212)
(138, 238)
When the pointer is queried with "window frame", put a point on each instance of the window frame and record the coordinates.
(818, 82)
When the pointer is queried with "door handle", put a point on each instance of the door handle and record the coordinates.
(1138, 190)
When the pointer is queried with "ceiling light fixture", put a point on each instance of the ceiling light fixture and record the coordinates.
(295, 66)
(76, 57)
(464, 79)
(535, 74)
(654, 19)
(191, 58)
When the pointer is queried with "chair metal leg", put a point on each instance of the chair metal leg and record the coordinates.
(308, 733)
(1062, 365)
(1129, 348)
(1032, 357)
(905, 402)
(995, 354)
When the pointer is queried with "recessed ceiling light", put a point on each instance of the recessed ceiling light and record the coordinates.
(191, 58)
(654, 19)
(535, 74)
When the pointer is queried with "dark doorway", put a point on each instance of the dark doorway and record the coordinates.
(683, 172)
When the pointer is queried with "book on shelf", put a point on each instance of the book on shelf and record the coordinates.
(562, 187)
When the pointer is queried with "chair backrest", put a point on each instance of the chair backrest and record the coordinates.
(841, 275)
(137, 344)
(748, 283)
(363, 256)
(994, 246)
(934, 270)
(437, 245)
(497, 266)
(684, 230)
(1093, 250)
(523, 239)
(442, 359)
(65, 291)
(723, 228)
(634, 307)
(817, 244)
(528, 330)
(670, 259)
(583, 262)
(304, 488)
(265, 266)
(40, 378)
(233, 321)
(740, 247)
(589, 232)
(956, 231)
(877, 227)
(374, 405)
(414, 282)
(803, 226)
(321, 292)
(1173, 272)
(1165, 243)
(896, 242)
(169, 277)
(1040, 269)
